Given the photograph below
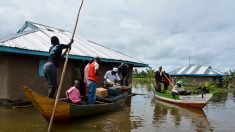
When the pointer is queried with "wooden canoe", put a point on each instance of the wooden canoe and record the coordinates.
(196, 101)
(66, 111)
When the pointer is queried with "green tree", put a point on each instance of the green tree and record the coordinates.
(150, 72)
(135, 72)
(229, 78)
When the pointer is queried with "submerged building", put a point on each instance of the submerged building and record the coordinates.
(196, 74)
(23, 55)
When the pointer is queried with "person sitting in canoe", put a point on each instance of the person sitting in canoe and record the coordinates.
(73, 93)
(111, 77)
(178, 89)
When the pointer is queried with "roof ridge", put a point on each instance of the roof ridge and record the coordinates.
(35, 24)
(16, 35)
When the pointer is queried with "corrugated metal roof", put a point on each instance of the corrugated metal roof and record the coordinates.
(196, 70)
(36, 37)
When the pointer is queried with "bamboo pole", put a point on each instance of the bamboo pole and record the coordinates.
(63, 72)
(168, 79)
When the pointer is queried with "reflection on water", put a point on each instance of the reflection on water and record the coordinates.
(175, 117)
(141, 113)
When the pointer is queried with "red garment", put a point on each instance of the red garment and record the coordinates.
(92, 75)
(165, 80)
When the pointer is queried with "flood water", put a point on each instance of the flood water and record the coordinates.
(141, 113)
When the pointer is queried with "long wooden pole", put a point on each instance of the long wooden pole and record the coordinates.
(168, 79)
(63, 72)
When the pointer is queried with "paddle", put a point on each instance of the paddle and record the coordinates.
(168, 79)
(63, 72)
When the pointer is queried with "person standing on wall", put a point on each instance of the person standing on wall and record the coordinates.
(51, 66)
(124, 71)
(92, 80)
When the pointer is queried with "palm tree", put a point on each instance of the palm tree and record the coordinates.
(150, 72)
(229, 78)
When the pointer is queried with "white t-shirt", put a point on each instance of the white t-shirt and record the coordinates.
(96, 66)
(110, 76)
(177, 89)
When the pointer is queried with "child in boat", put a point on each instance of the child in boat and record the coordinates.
(73, 93)
(178, 89)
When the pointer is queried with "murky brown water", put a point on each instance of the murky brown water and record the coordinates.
(141, 113)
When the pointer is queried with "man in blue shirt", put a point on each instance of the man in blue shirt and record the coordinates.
(50, 68)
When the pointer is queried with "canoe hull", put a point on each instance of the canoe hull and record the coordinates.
(66, 111)
(182, 103)
(195, 101)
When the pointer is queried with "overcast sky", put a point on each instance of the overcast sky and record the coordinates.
(158, 32)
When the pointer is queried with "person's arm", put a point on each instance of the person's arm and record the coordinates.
(67, 47)
(174, 89)
(117, 78)
(106, 76)
(96, 68)
(67, 96)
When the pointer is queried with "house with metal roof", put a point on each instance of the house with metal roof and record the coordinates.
(22, 56)
(195, 74)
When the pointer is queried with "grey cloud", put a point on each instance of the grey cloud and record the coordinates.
(159, 32)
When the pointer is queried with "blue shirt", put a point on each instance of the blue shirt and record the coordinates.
(55, 53)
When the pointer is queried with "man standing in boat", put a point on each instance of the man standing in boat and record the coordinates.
(124, 71)
(86, 75)
(158, 79)
(92, 80)
(50, 68)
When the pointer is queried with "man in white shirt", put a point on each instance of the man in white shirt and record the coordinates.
(111, 77)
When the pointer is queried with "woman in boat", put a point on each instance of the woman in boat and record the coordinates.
(50, 68)
(73, 93)
(178, 89)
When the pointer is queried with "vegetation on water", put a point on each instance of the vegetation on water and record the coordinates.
(147, 74)
(167, 94)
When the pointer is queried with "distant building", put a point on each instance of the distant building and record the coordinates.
(196, 74)
(23, 55)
